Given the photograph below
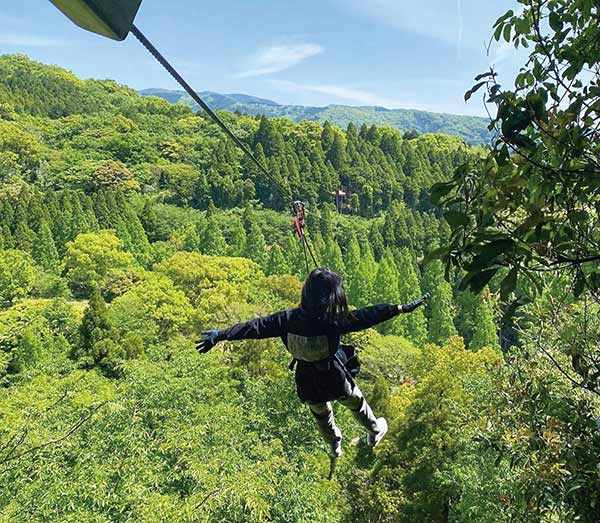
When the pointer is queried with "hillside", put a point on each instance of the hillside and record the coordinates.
(470, 128)
(131, 226)
(127, 226)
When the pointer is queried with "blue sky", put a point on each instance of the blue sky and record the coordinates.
(395, 53)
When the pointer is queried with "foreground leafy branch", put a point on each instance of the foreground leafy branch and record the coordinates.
(531, 204)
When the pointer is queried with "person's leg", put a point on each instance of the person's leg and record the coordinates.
(356, 402)
(323, 414)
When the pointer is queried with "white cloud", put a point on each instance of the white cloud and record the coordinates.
(24, 40)
(277, 58)
(345, 93)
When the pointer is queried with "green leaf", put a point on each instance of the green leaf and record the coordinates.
(498, 32)
(506, 33)
(476, 281)
(483, 75)
(489, 253)
(515, 123)
(579, 285)
(508, 284)
(436, 254)
(579, 216)
(438, 191)
(456, 219)
(555, 21)
(522, 141)
(504, 17)
(510, 311)
(473, 90)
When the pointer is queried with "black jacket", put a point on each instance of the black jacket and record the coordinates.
(319, 376)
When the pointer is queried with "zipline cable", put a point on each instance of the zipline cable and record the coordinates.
(188, 89)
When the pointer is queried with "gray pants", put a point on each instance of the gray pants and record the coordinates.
(353, 400)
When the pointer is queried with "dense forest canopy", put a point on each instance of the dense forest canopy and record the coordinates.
(129, 224)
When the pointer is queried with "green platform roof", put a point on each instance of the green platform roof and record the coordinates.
(111, 18)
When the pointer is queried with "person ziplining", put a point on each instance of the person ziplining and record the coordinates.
(312, 333)
(325, 369)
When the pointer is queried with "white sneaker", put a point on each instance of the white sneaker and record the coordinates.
(336, 445)
(336, 449)
(373, 438)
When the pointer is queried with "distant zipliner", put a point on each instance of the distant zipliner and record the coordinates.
(115, 19)
(325, 369)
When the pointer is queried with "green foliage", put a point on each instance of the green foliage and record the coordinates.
(98, 344)
(543, 211)
(469, 128)
(90, 259)
(122, 200)
(44, 249)
(35, 336)
(212, 284)
(440, 313)
(484, 329)
(385, 290)
(422, 469)
(212, 241)
(277, 263)
(152, 309)
(415, 323)
(17, 276)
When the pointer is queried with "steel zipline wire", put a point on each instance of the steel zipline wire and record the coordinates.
(188, 89)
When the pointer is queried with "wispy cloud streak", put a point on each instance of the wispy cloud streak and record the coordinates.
(459, 40)
(339, 91)
(24, 40)
(278, 58)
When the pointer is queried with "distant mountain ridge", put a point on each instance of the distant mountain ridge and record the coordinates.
(472, 129)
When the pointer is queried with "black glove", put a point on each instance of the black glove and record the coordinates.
(203, 345)
(409, 307)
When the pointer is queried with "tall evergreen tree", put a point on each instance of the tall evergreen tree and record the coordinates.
(24, 237)
(237, 241)
(255, 247)
(337, 153)
(485, 333)
(415, 323)
(277, 263)
(327, 137)
(332, 257)
(151, 223)
(441, 325)
(44, 249)
(7, 237)
(352, 264)
(212, 241)
(385, 290)
(376, 241)
(367, 271)
(97, 335)
(79, 223)
(294, 255)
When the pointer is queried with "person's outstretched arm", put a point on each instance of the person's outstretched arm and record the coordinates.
(263, 327)
(367, 317)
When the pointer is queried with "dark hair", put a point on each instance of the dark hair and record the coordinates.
(324, 297)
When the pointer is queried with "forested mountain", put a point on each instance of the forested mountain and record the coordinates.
(472, 129)
(129, 224)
